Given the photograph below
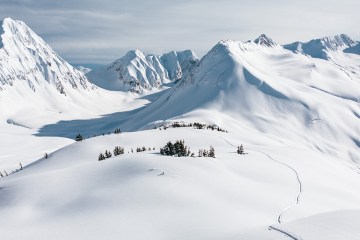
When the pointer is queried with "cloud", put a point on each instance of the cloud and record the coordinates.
(95, 31)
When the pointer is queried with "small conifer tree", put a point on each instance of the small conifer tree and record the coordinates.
(240, 149)
(101, 157)
(108, 154)
(212, 152)
(78, 137)
(118, 150)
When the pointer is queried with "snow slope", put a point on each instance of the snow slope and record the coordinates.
(77, 197)
(272, 90)
(137, 71)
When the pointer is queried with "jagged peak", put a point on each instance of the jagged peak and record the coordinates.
(264, 40)
(134, 53)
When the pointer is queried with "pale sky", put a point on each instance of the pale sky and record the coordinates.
(100, 31)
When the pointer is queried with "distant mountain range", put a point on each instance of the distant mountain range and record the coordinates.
(137, 71)
(265, 85)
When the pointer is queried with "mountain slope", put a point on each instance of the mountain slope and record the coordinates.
(137, 71)
(269, 89)
(25, 58)
(353, 49)
(322, 47)
(37, 86)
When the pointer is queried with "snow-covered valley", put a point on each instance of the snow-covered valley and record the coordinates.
(295, 110)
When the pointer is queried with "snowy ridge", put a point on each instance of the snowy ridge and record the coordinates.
(37, 86)
(271, 90)
(137, 71)
(25, 59)
(298, 118)
(265, 41)
(322, 47)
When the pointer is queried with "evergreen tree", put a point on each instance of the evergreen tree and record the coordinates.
(101, 157)
(78, 137)
(212, 152)
(46, 155)
(108, 154)
(205, 153)
(178, 149)
(200, 153)
(143, 149)
(117, 131)
(118, 150)
(240, 149)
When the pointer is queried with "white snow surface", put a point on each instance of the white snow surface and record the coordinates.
(298, 118)
(139, 72)
(84, 70)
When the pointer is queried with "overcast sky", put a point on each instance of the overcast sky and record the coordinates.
(100, 31)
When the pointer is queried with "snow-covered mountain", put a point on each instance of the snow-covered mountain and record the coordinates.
(25, 59)
(36, 83)
(265, 41)
(322, 47)
(137, 71)
(270, 89)
(297, 116)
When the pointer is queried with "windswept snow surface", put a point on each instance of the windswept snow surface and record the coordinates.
(139, 72)
(297, 116)
(78, 197)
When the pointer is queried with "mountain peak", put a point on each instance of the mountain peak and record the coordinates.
(27, 59)
(265, 41)
(138, 72)
(337, 42)
(322, 47)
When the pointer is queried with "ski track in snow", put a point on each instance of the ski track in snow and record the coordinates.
(289, 235)
(297, 199)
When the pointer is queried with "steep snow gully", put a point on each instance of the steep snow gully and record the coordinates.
(297, 199)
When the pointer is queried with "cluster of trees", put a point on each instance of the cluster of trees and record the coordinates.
(214, 127)
(207, 153)
(117, 151)
(143, 149)
(178, 149)
(4, 175)
(195, 125)
(13, 171)
(79, 137)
